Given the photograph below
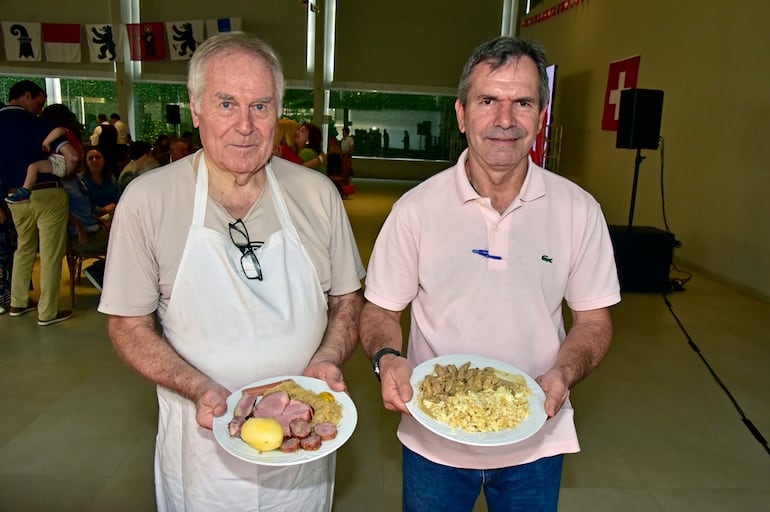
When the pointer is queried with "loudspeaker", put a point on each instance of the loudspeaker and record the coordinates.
(172, 114)
(643, 256)
(639, 119)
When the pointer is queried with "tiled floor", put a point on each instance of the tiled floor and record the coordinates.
(658, 433)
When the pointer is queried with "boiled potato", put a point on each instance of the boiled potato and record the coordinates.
(264, 434)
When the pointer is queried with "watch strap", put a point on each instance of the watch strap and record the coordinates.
(376, 359)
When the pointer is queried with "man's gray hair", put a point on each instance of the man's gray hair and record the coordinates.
(229, 42)
(499, 52)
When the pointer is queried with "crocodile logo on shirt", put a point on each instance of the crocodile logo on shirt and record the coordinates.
(546, 258)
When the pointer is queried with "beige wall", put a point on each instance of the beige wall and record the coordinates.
(710, 60)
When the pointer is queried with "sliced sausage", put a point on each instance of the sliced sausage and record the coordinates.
(290, 445)
(311, 442)
(326, 430)
(299, 427)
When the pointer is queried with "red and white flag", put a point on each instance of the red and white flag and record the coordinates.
(61, 42)
(623, 75)
(22, 41)
(183, 38)
(146, 41)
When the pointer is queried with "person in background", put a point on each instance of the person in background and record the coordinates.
(178, 149)
(123, 138)
(102, 121)
(66, 156)
(103, 189)
(308, 141)
(141, 161)
(55, 164)
(405, 140)
(7, 248)
(162, 149)
(347, 147)
(284, 141)
(41, 222)
(486, 252)
(89, 234)
(250, 266)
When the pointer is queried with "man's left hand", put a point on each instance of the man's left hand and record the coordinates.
(328, 372)
(554, 383)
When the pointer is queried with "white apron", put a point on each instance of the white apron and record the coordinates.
(236, 331)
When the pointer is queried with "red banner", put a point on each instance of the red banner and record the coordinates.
(146, 41)
(623, 75)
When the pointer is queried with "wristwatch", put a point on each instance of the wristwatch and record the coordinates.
(378, 356)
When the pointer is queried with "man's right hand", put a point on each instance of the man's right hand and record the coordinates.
(395, 372)
(210, 401)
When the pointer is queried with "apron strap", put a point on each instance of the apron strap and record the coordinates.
(201, 190)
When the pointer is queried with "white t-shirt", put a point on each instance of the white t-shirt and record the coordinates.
(153, 217)
(553, 244)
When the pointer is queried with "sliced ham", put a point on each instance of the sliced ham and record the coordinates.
(272, 405)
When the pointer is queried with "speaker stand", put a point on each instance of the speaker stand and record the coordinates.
(639, 159)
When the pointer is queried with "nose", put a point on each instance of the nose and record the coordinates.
(246, 122)
(504, 117)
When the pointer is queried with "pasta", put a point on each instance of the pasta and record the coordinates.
(474, 399)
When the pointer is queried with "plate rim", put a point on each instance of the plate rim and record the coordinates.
(484, 439)
(246, 453)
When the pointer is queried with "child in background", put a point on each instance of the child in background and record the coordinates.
(55, 164)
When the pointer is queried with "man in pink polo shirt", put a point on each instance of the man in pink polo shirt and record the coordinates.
(485, 252)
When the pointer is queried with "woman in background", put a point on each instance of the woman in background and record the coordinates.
(284, 141)
(308, 142)
(103, 187)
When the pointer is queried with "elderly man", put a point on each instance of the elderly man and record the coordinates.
(486, 252)
(252, 270)
(41, 222)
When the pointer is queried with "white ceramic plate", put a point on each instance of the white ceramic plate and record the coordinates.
(237, 447)
(529, 426)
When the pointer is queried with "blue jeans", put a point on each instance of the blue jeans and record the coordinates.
(428, 486)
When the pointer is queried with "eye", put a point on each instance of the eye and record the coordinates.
(226, 104)
(486, 101)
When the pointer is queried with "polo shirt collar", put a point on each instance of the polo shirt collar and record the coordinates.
(532, 188)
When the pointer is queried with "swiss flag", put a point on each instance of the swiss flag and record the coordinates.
(622, 75)
(146, 41)
(61, 42)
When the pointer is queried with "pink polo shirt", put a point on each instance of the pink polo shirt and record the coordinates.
(553, 245)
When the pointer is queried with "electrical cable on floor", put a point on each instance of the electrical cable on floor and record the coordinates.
(753, 429)
(677, 284)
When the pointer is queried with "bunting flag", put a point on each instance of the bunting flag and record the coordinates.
(61, 42)
(559, 8)
(103, 43)
(622, 75)
(146, 41)
(222, 25)
(183, 38)
(22, 41)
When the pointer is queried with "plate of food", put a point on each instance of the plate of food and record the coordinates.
(476, 400)
(286, 420)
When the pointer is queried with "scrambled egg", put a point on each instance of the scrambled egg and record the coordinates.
(473, 399)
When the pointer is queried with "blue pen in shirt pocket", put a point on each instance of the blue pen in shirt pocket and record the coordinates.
(485, 253)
